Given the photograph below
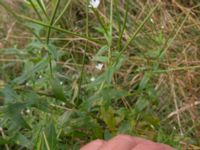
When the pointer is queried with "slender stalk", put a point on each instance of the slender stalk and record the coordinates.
(52, 20)
(176, 103)
(173, 38)
(136, 32)
(139, 28)
(3, 136)
(46, 141)
(42, 8)
(84, 55)
(35, 9)
(110, 32)
(124, 25)
(59, 29)
(22, 18)
(111, 18)
(177, 69)
(48, 35)
(62, 13)
(100, 21)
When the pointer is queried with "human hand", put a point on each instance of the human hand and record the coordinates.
(125, 142)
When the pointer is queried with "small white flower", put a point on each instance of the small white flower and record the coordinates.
(40, 76)
(63, 104)
(162, 27)
(28, 111)
(152, 126)
(61, 83)
(99, 66)
(94, 3)
(151, 19)
(92, 79)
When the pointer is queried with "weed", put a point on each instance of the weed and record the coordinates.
(75, 71)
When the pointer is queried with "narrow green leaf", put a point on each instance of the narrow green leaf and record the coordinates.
(58, 89)
(52, 20)
(65, 117)
(102, 59)
(63, 12)
(20, 139)
(144, 81)
(27, 74)
(13, 112)
(9, 94)
(141, 104)
(35, 9)
(109, 118)
(102, 50)
(52, 136)
(34, 100)
(42, 7)
(46, 141)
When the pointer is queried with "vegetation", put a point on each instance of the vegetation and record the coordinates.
(72, 73)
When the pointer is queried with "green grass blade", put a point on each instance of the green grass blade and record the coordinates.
(42, 8)
(139, 28)
(100, 20)
(174, 37)
(46, 141)
(136, 32)
(52, 20)
(124, 25)
(22, 18)
(62, 13)
(60, 29)
(35, 9)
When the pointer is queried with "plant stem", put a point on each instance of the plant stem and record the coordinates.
(110, 32)
(52, 20)
(84, 55)
(136, 32)
(42, 8)
(62, 13)
(124, 26)
(35, 9)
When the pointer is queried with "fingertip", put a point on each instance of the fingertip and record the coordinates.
(135, 140)
(123, 137)
(94, 145)
(119, 142)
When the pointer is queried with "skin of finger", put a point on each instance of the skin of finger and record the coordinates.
(125, 142)
(120, 142)
(166, 147)
(151, 146)
(94, 145)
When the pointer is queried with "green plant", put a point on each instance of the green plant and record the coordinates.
(85, 73)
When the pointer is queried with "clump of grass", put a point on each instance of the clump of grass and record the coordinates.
(71, 74)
